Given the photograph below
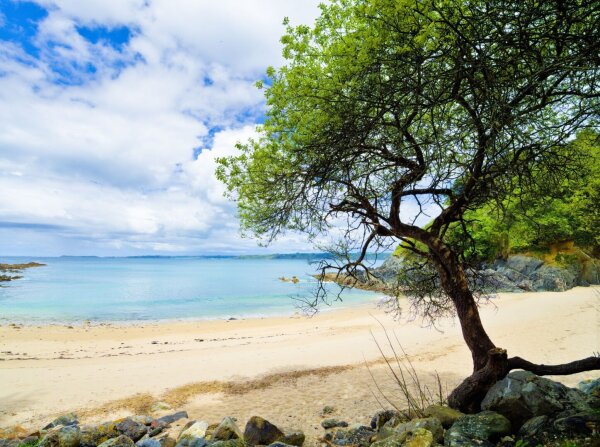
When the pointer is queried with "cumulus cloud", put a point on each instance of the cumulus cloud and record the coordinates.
(107, 144)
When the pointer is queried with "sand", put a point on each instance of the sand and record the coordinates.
(283, 368)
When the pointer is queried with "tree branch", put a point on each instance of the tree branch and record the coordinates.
(587, 364)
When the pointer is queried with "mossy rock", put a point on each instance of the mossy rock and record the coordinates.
(446, 415)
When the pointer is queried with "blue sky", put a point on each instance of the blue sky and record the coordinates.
(112, 113)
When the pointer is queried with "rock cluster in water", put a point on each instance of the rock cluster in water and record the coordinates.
(522, 410)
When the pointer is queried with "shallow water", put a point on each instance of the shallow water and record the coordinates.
(76, 289)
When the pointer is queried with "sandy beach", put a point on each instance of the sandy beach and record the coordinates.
(285, 369)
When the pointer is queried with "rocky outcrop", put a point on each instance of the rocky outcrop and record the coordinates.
(518, 273)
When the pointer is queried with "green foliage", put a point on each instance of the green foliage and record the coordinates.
(532, 219)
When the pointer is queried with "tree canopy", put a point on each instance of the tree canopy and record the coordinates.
(397, 118)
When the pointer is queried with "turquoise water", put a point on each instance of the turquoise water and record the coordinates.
(137, 289)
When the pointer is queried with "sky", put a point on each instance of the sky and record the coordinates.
(112, 113)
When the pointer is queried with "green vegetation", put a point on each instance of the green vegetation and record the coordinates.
(542, 217)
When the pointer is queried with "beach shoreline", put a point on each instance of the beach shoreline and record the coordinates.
(291, 366)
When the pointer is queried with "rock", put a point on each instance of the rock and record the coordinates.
(260, 431)
(552, 278)
(148, 442)
(332, 423)
(380, 418)
(295, 438)
(590, 387)
(419, 438)
(61, 436)
(493, 281)
(485, 426)
(433, 425)
(279, 444)
(192, 432)
(132, 429)
(146, 420)
(525, 265)
(446, 415)
(94, 435)
(66, 419)
(327, 409)
(229, 443)
(522, 395)
(360, 436)
(578, 424)
(9, 442)
(226, 430)
(170, 418)
(532, 428)
(119, 441)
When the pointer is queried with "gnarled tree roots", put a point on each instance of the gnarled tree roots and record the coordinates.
(468, 395)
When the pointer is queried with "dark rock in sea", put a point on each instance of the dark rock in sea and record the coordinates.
(332, 423)
(522, 395)
(470, 429)
(259, 431)
(227, 430)
(119, 441)
(132, 429)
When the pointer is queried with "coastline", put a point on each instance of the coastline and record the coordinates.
(274, 366)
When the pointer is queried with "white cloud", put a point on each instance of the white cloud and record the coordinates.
(106, 161)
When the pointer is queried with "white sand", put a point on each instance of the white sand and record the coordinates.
(49, 370)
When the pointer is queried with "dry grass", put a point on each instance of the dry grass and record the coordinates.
(137, 404)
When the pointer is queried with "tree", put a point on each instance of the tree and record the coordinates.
(441, 105)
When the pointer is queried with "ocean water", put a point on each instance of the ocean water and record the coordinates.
(76, 289)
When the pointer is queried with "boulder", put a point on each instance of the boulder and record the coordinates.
(446, 415)
(94, 435)
(9, 442)
(522, 395)
(227, 430)
(525, 265)
(578, 424)
(295, 438)
(380, 418)
(359, 436)
(552, 278)
(259, 431)
(533, 428)
(61, 436)
(170, 418)
(146, 420)
(432, 425)
(279, 444)
(119, 441)
(193, 434)
(590, 387)
(66, 419)
(419, 438)
(486, 426)
(148, 442)
(332, 423)
(132, 429)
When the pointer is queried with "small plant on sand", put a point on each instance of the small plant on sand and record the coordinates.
(416, 393)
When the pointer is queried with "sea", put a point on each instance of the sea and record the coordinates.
(94, 289)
